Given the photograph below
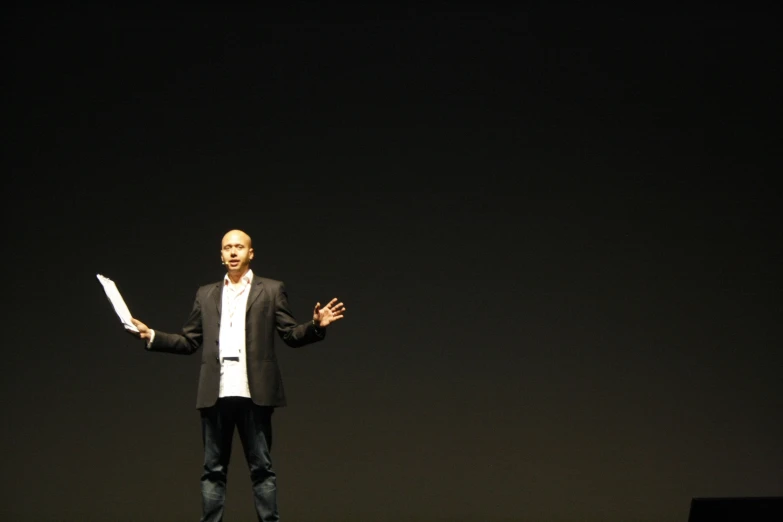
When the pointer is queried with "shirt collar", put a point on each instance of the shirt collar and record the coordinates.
(246, 279)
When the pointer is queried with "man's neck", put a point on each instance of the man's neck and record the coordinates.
(236, 278)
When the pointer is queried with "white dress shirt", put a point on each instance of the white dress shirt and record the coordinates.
(233, 353)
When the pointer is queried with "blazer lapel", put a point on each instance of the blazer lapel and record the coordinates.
(218, 297)
(255, 290)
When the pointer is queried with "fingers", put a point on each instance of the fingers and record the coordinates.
(333, 309)
(337, 308)
(138, 324)
(332, 318)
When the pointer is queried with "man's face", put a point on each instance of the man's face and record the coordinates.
(236, 252)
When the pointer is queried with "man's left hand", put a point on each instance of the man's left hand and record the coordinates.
(333, 311)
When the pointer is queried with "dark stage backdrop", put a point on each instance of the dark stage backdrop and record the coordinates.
(555, 229)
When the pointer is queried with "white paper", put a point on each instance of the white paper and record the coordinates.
(118, 302)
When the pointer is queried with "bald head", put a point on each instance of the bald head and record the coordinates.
(237, 234)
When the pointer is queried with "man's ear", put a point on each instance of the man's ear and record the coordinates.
(251, 254)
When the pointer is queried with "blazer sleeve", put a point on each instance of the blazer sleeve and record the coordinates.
(186, 342)
(293, 334)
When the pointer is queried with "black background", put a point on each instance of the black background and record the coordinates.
(555, 227)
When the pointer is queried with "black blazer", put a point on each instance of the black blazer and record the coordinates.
(267, 312)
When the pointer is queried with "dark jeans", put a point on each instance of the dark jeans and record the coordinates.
(254, 424)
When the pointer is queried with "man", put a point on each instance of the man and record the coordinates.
(240, 385)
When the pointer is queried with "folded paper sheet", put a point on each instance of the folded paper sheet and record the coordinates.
(118, 302)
